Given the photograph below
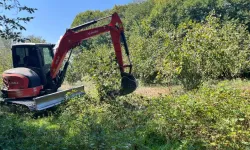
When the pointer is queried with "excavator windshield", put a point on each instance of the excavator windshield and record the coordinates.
(32, 55)
(25, 55)
(46, 52)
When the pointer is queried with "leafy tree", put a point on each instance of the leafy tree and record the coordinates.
(5, 55)
(11, 27)
(35, 39)
(209, 50)
(157, 30)
(6, 43)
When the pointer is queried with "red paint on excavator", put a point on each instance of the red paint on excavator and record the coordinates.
(15, 81)
(23, 93)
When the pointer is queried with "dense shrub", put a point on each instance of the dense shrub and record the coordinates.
(147, 53)
(5, 60)
(213, 117)
(208, 50)
(158, 31)
(99, 66)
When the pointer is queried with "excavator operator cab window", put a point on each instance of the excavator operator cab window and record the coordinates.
(46, 52)
(47, 55)
(25, 56)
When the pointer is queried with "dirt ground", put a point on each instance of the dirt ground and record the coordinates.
(145, 91)
(153, 91)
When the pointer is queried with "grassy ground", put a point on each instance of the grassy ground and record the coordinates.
(216, 116)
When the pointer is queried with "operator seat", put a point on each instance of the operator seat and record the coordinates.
(16, 60)
(33, 62)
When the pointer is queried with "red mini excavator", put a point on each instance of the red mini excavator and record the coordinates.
(37, 75)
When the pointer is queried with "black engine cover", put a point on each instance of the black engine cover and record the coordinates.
(34, 79)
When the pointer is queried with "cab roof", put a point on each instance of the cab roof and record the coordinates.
(30, 44)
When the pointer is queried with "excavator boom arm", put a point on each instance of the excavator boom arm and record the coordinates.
(72, 38)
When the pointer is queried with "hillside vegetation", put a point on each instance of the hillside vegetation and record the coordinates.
(213, 117)
(173, 42)
(197, 48)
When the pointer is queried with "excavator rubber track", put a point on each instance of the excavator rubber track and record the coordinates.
(46, 101)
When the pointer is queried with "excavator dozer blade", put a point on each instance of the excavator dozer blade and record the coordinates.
(50, 100)
(46, 101)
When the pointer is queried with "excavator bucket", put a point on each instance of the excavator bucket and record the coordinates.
(128, 84)
(47, 101)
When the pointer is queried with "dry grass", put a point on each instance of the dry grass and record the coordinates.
(66, 86)
(150, 92)
(89, 87)
(153, 91)
(157, 91)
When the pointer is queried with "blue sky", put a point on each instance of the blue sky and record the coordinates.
(53, 17)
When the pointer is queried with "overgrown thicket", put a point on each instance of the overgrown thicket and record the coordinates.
(183, 42)
(176, 42)
(5, 55)
(214, 117)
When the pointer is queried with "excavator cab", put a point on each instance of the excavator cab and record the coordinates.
(37, 57)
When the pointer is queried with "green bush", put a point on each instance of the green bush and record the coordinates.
(208, 50)
(99, 64)
(179, 24)
(5, 61)
(146, 52)
(213, 117)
